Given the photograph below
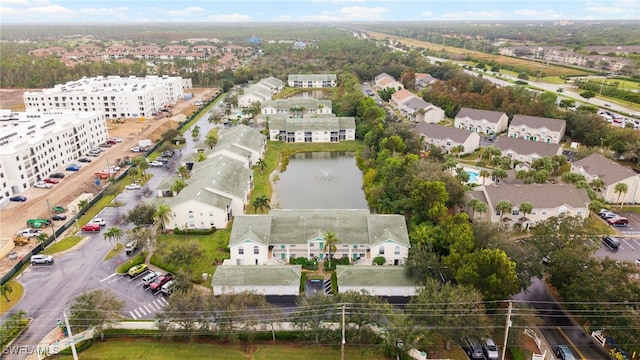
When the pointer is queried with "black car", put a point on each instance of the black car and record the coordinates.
(19, 198)
(611, 242)
(59, 217)
(84, 160)
(57, 175)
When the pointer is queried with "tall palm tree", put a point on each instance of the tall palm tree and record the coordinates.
(177, 186)
(597, 184)
(163, 213)
(184, 172)
(504, 206)
(473, 205)
(261, 202)
(620, 189)
(5, 290)
(201, 157)
(525, 208)
(113, 233)
(330, 242)
(484, 174)
(262, 164)
(211, 140)
(83, 204)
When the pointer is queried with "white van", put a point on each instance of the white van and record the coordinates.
(168, 288)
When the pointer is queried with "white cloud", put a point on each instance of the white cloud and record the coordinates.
(15, 2)
(538, 14)
(186, 12)
(9, 11)
(230, 17)
(477, 15)
(426, 13)
(363, 13)
(105, 11)
(619, 7)
(52, 10)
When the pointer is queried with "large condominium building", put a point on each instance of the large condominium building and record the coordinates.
(116, 97)
(34, 145)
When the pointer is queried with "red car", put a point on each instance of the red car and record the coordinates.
(159, 281)
(51, 181)
(91, 227)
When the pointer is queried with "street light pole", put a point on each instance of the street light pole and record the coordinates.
(51, 220)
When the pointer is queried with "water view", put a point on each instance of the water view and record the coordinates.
(321, 180)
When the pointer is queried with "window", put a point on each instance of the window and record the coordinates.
(240, 250)
(396, 251)
(381, 250)
(515, 212)
(190, 214)
(282, 246)
(256, 250)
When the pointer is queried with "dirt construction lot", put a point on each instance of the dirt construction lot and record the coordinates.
(14, 216)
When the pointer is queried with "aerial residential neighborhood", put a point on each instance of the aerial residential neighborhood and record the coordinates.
(414, 190)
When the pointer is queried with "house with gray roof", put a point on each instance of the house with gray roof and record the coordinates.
(301, 107)
(241, 142)
(481, 121)
(218, 189)
(526, 151)
(312, 80)
(447, 138)
(534, 128)
(548, 200)
(270, 281)
(386, 81)
(382, 281)
(261, 91)
(422, 80)
(312, 129)
(596, 166)
(283, 234)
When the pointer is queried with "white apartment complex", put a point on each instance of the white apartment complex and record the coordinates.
(115, 96)
(34, 145)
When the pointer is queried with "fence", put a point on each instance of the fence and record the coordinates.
(27, 258)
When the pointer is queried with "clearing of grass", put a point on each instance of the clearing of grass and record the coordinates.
(62, 245)
(14, 296)
(163, 350)
(115, 251)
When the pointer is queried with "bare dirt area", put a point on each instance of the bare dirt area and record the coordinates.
(14, 216)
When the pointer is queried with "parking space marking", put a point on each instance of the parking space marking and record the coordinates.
(142, 311)
(146, 308)
(108, 277)
(628, 241)
(137, 313)
(133, 315)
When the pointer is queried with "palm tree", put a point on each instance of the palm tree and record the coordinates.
(473, 205)
(525, 208)
(385, 206)
(113, 233)
(163, 213)
(262, 164)
(201, 157)
(211, 140)
(620, 189)
(597, 184)
(499, 174)
(5, 290)
(261, 202)
(195, 132)
(142, 164)
(83, 204)
(184, 172)
(504, 206)
(484, 174)
(330, 242)
(177, 186)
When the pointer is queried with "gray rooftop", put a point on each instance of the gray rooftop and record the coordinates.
(536, 122)
(416, 103)
(241, 136)
(273, 275)
(380, 276)
(606, 169)
(312, 123)
(526, 147)
(282, 226)
(540, 195)
(477, 114)
(258, 90)
(287, 104)
(272, 82)
(313, 77)
(442, 132)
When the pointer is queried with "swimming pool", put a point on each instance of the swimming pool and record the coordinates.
(473, 177)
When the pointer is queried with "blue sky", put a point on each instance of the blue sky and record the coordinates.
(65, 11)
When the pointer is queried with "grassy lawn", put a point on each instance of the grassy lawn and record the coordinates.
(150, 350)
(14, 296)
(62, 245)
(115, 251)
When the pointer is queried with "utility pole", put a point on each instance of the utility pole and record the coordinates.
(344, 306)
(73, 345)
(506, 331)
(51, 220)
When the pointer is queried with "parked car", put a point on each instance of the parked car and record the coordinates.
(161, 280)
(51, 181)
(58, 209)
(93, 153)
(91, 227)
(611, 242)
(474, 350)
(608, 215)
(167, 289)
(618, 221)
(84, 160)
(114, 140)
(149, 278)
(57, 176)
(19, 198)
(99, 221)
(156, 164)
(132, 187)
(29, 233)
(137, 270)
(130, 247)
(59, 217)
(42, 185)
(106, 144)
(37, 223)
(136, 149)
(73, 167)
(42, 259)
(565, 353)
(490, 349)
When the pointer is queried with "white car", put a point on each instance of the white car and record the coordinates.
(29, 233)
(118, 140)
(132, 187)
(42, 185)
(99, 221)
(156, 164)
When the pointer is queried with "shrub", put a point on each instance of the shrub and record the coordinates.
(334, 283)
(379, 260)
(306, 264)
(303, 281)
(177, 231)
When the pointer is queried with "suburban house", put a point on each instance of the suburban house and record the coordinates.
(311, 129)
(526, 151)
(275, 281)
(382, 281)
(481, 121)
(218, 189)
(312, 80)
(423, 80)
(596, 166)
(261, 91)
(534, 128)
(284, 234)
(296, 107)
(386, 81)
(447, 137)
(240, 142)
(548, 200)
(415, 108)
